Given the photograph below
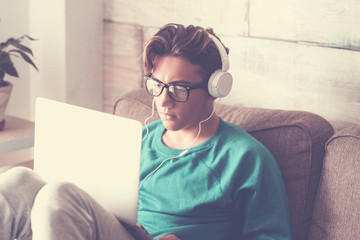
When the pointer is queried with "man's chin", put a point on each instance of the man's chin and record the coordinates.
(170, 125)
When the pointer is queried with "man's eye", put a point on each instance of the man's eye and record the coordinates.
(179, 89)
(157, 85)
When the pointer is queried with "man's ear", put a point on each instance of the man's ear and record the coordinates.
(211, 98)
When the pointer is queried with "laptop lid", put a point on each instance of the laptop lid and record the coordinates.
(98, 152)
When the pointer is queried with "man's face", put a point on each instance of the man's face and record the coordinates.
(181, 115)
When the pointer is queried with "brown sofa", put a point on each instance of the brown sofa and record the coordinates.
(321, 169)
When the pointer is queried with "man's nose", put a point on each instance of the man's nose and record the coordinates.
(164, 99)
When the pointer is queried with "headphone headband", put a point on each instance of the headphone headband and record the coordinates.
(223, 54)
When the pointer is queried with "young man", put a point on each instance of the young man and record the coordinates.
(227, 185)
(201, 177)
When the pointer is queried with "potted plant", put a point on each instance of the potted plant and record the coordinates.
(8, 49)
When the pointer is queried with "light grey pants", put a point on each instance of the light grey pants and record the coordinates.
(32, 209)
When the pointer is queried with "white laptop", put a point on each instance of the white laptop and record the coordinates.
(98, 152)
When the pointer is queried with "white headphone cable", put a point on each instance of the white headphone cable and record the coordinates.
(157, 169)
(201, 122)
(147, 119)
(182, 153)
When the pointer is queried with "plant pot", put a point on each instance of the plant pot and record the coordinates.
(5, 92)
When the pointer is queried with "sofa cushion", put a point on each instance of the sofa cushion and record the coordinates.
(337, 207)
(135, 105)
(295, 138)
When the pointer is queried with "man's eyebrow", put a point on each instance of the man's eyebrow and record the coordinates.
(181, 81)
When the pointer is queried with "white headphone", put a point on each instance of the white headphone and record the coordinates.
(220, 82)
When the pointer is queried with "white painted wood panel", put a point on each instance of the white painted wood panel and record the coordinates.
(293, 58)
(122, 61)
(149, 32)
(275, 74)
(69, 52)
(331, 23)
(228, 17)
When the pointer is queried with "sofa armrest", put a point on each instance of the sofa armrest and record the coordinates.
(337, 207)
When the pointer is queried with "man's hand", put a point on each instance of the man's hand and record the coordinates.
(169, 237)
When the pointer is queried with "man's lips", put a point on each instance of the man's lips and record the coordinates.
(167, 116)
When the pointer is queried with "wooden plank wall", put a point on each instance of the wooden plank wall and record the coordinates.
(287, 54)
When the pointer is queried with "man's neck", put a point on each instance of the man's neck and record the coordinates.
(183, 139)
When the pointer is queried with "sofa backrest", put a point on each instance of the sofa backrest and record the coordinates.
(337, 206)
(296, 139)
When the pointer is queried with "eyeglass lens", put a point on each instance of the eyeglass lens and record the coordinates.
(176, 92)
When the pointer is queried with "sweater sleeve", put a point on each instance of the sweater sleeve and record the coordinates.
(261, 200)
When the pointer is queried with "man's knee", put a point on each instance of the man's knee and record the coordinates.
(18, 175)
(20, 181)
(54, 205)
(55, 195)
(18, 188)
(49, 202)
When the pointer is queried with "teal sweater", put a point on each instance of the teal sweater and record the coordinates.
(229, 187)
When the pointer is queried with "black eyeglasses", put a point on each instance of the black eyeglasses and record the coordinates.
(177, 92)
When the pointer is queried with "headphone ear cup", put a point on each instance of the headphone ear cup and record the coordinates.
(220, 83)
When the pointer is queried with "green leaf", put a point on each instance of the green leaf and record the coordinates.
(6, 65)
(2, 46)
(4, 57)
(25, 57)
(2, 74)
(16, 43)
(28, 37)
(9, 69)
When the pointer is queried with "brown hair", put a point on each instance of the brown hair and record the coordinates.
(191, 43)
